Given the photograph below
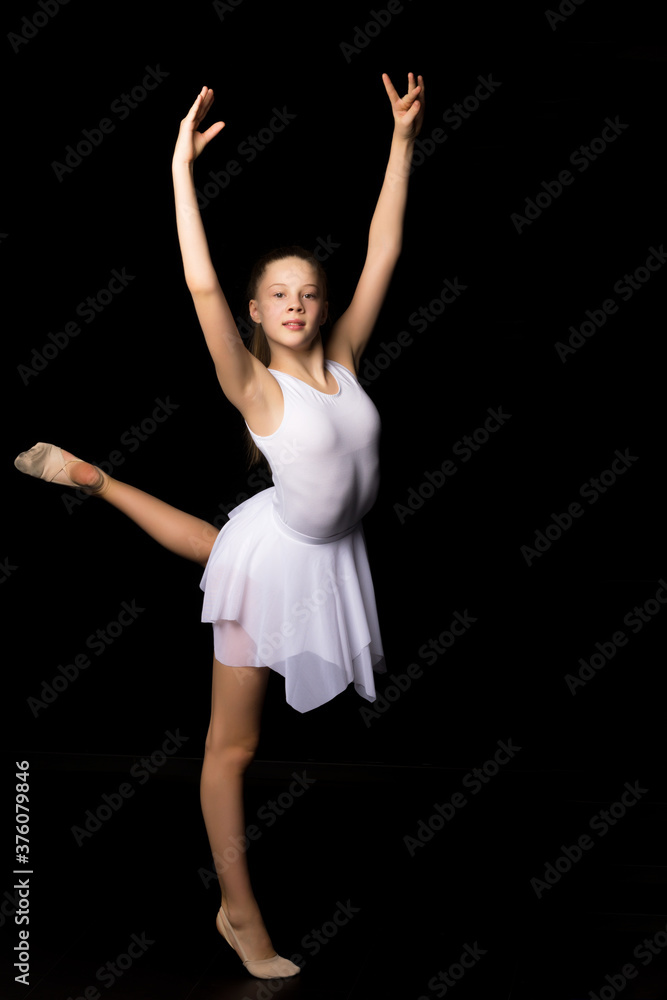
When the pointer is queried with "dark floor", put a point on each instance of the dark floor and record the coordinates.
(345, 888)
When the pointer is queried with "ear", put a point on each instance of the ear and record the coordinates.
(254, 311)
(325, 313)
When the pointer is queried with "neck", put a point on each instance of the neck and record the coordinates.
(308, 362)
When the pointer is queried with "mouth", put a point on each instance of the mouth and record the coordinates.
(294, 325)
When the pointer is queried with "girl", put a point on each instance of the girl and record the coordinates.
(286, 582)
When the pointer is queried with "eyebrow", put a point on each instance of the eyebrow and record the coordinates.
(308, 284)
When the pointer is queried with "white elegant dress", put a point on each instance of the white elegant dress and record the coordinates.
(287, 584)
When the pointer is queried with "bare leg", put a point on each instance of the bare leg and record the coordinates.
(236, 706)
(181, 533)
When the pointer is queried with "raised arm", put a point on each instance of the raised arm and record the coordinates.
(235, 366)
(351, 333)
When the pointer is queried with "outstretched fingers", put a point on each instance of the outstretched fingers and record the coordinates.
(212, 131)
(195, 116)
(421, 88)
(200, 106)
(401, 105)
(392, 93)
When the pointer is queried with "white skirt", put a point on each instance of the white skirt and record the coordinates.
(303, 606)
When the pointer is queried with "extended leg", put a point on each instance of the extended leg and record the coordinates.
(177, 531)
(181, 533)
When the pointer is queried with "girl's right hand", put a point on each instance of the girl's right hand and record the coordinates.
(190, 142)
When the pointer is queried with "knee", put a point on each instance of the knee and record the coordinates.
(234, 755)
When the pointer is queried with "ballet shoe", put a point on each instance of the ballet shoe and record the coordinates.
(263, 968)
(47, 462)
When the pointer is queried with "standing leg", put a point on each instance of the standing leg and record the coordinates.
(236, 707)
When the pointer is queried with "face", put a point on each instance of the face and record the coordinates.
(289, 303)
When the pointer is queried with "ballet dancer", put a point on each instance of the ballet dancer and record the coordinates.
(286, 581)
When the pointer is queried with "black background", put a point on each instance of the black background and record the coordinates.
(70, 567)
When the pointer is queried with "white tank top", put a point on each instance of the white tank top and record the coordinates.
(324, 455)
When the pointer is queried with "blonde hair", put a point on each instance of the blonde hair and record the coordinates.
(259, 345)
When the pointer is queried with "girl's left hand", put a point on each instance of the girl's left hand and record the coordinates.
(408, 111)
